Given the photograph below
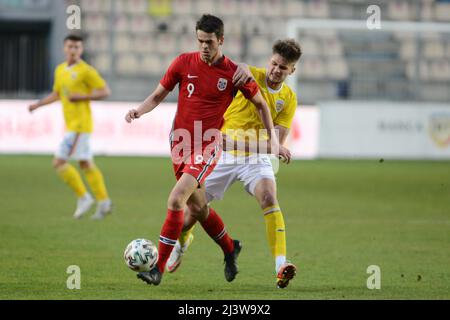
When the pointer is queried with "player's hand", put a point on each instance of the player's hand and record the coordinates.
(131, 115)
(284, 154)
(242, 75)
(33, 107)
(75, 97)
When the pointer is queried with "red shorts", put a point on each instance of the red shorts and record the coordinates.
(197, 164)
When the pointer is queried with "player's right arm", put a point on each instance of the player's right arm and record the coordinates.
(266, 118)
(52, 97)
(149, 104)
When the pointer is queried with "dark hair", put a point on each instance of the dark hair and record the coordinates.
(209, 23)
(73, 37)
(288, 49)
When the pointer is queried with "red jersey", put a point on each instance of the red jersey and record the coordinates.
(205, 91)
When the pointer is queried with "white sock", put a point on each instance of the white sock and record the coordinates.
(279, 261)
(86, 196)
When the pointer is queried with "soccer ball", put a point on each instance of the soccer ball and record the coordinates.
(141, 255)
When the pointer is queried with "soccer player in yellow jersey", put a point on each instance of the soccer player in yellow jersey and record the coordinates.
(75, 84)
(255, 171)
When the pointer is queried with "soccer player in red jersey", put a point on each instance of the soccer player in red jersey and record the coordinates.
(206, 89)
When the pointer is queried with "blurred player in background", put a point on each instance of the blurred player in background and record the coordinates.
(254, 171)
(206, 89)
(75, 84)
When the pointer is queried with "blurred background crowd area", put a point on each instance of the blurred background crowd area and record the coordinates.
(132, 42)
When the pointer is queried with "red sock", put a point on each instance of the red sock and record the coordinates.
(215, 228)
(170, 232)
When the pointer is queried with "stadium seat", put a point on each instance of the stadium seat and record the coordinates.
(440, 70)
(275, 26)
(233, 47)
(167, 60)
(137, 6)
(152, 65)
(141, 23)
(233, 25)
(121, 23)
(188, 44)
(433, 49)
(312, 68)
(318, 9)
(228, 7)
(166, 43)
(408, 49)
(427, 10)
(123, 43)
(310, 46)
(255, 26)
(183, 25)
(332, 46)
(447, 51)
(206, 6)
(271, 8)
(260, 62)
(102, 62)
(442, 11)
(424, 70)
(399, 10)
(337, 69)
(121, 6)
(250, 8)
(95, 6)
(143, 43)
(97, 42)
(295, 9)
(259, 45)
(182, 7)
(127, 64)
(95, 22)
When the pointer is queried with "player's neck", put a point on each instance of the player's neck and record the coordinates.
(273, 85)
(73, 62)
(216, 59)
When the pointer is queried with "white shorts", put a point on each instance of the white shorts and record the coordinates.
(75, 146)
(230, 168)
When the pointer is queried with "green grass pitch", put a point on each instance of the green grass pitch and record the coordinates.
(341, 217)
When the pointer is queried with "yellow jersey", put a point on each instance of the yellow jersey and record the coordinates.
(80, 78)
(242, 118)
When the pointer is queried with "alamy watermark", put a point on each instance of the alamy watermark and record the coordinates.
(374, 280)
(74, 280)
(73, 21)
(374, 20)
(204, 145)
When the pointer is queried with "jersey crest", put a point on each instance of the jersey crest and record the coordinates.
(222, 84)
(279, 105)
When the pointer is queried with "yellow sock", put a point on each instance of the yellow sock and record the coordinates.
(72, 178)
(185, 235)
(95, 180)
(275, 231)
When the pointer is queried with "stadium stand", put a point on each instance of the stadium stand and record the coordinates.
(137, 38)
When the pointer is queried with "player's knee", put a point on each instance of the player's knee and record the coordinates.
(58, 163)
(84, 164)
(175, 202)
(268, 199)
